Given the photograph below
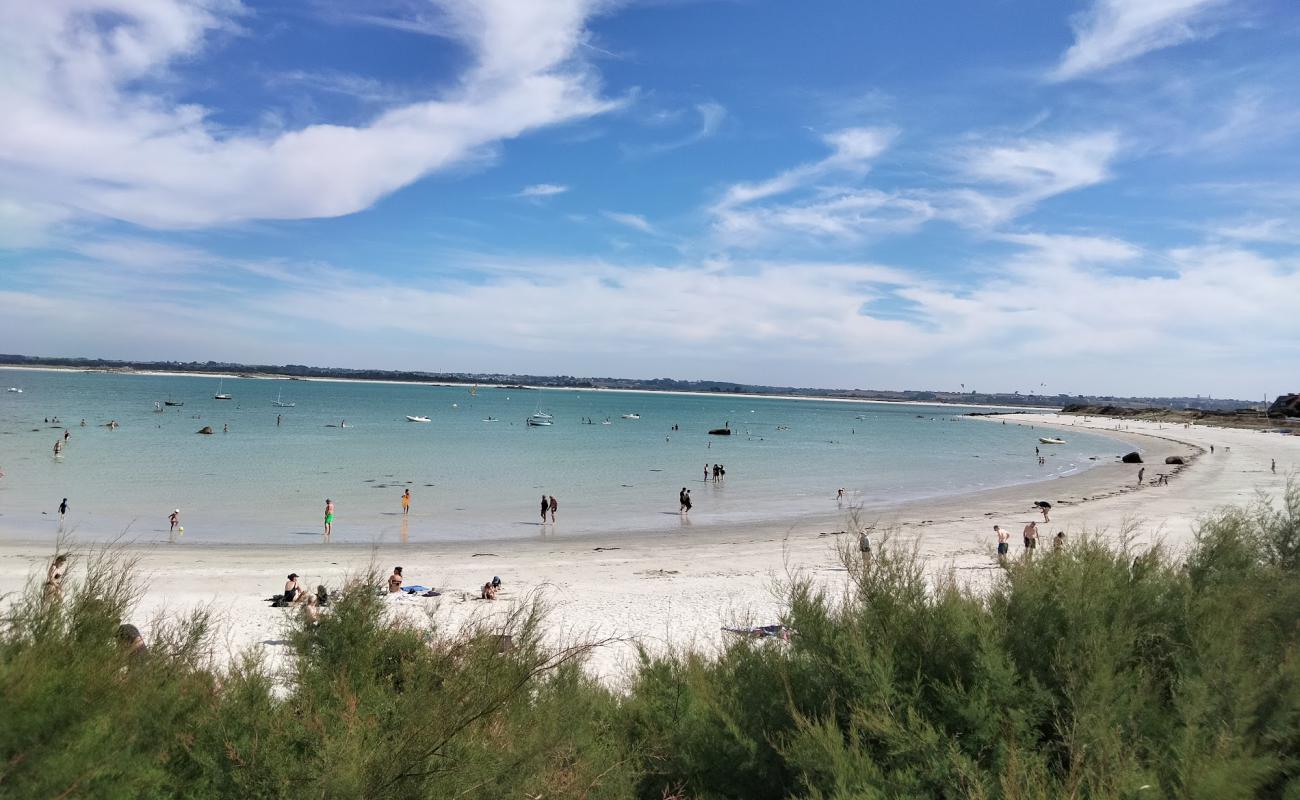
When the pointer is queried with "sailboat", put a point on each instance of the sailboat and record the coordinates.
(220, 395)
(280, 403)
(540, 420)
(171, 402)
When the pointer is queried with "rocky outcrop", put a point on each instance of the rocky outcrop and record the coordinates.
(205, 430)
(1175, 460)
(1132, 458)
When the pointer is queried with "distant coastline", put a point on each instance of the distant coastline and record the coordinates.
(520, 381)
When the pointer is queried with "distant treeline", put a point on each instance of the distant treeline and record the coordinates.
(643, 384)
(1092, 671)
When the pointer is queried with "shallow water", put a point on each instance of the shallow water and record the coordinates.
(471, 479)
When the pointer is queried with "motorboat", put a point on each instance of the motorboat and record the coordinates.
(631, 416)
(15, 390)
(173, 403)
(410, 418)
(1050, 440)
(540, 420)
(491, 419)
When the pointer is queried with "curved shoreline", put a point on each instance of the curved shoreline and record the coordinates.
(678, 588)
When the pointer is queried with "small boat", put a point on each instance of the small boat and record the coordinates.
(542, 415)
(631, 416)
(720, 432)
(540, 420)
(220, 395)
(491, 419)
(15, 390)
(1050, 440)
(172, 403)
(157, 407)
(409, 418)
(280, 403)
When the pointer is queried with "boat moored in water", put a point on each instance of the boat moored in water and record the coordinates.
(1050, 440)
(410, 418)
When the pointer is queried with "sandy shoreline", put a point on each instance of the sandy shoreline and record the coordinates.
(680, 588)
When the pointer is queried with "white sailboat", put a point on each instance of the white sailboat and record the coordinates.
(540, 420)
(280, 403)
(631, 416)
(220, 395)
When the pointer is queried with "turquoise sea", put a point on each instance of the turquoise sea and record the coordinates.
(470, 479)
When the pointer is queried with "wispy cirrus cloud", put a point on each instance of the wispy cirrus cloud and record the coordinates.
(85, 131)
(540, 190)
(1111, 32)
(710, 118)
(634, 221)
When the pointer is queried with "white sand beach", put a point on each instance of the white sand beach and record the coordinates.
(681, 588)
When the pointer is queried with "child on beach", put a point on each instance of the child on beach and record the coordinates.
(406, 502)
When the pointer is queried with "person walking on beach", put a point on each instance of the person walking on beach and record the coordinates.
(706, 470)
(546, 506)
(1031, 537)
(1141, 472)
(1044, 507)
(555, 506)
(63, 510)
(329, 517)
(1272, 465)
(174, 519)
(839, 496)
(1004, 543)
(406, 502)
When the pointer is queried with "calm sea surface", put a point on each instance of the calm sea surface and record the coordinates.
(470, 479)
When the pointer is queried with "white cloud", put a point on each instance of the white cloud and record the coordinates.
(1077, 312)
(538, 190)
(1115, 31)
(1013, 177)
(1267, 231)
(634, 221)
(83, 130)
(711, 116)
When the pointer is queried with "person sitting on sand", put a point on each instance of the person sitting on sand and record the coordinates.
(311, 610)
(395, 581)
(54, 578)
(1058, 544)
(131, 639)
(489, 591)
(293, 591)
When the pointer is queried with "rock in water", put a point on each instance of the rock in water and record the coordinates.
(206, 430)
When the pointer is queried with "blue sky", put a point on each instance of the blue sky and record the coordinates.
(1092, 197)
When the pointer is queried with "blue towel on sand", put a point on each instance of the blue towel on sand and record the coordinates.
(415, 587)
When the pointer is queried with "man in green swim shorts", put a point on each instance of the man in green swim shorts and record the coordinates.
(329, 517)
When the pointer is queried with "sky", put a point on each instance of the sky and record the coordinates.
(1098, 197)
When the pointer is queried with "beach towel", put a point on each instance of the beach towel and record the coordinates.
(416, 588)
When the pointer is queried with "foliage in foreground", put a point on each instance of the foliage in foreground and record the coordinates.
(1096, 672)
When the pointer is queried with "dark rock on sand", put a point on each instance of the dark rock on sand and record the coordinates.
(1132, 458)
(1175, 460)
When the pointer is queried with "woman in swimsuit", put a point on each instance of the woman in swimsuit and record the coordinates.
(406, 502)
(293, 590)
(395, 581)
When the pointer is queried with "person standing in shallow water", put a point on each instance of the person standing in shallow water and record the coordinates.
(329, 517)
(63, 510)
(554, 506)
(406, 502)
(546, 506)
